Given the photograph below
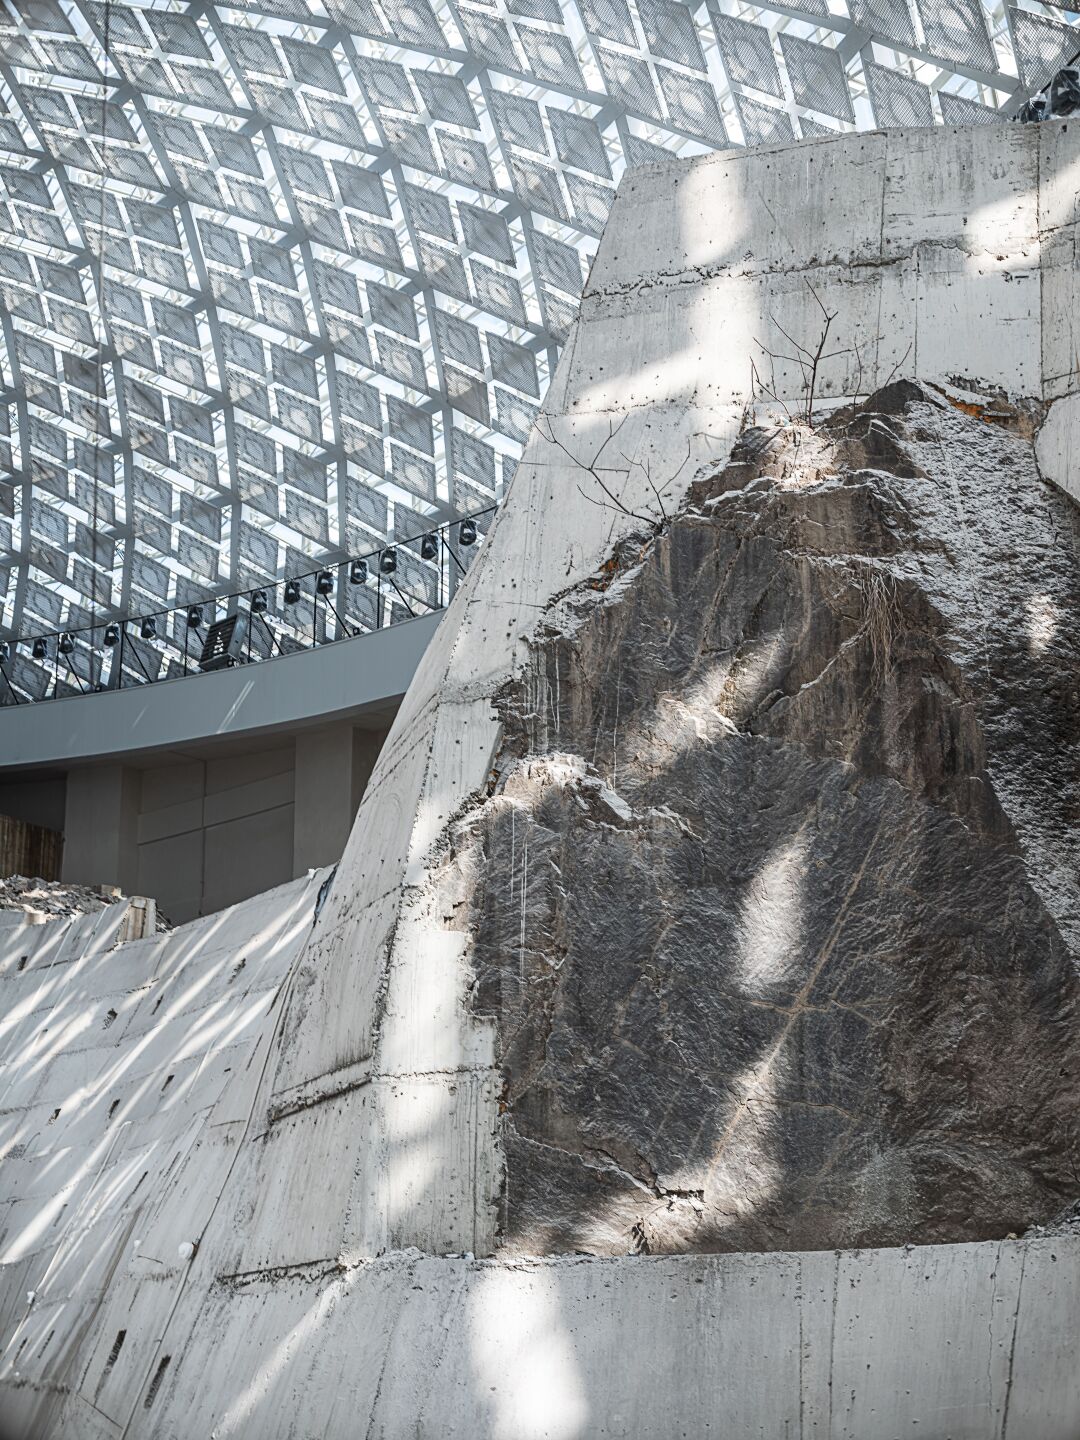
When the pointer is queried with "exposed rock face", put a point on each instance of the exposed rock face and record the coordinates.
(775, 900)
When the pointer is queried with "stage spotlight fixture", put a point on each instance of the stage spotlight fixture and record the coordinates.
(324, 582)
(67, 644)
(259, 602)
(358, 572)
(111, 636)
(429, 547)
(467, 532)
(40, 649)
(388, 561)
(194, 616)
(224, 643)
(292, 592)
(148, 628)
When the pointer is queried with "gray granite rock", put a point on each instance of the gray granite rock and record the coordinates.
(775, 900)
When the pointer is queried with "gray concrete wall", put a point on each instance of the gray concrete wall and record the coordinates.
(205, 790)
(333, 765)
(239, 1168)
(212, 832)
(101, 827)
(201, 833)
(966, 1342)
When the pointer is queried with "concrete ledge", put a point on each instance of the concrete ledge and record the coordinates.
(313, 687)
(950, 1342)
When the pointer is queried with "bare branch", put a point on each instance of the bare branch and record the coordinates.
(757, 383)
(792, 359)
(899, 365)
(613, 430)
(591, 469)
(646, 468)
(858, 372)
(591, 498)
(809, 361)
(814, 368)
(802, 349)
(817, 297)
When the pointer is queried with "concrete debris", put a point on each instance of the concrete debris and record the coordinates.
(776, 903)
(49, 897)
(1065, 1223)
(52, 900)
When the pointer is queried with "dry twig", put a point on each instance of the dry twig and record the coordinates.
(593, 468)
(808, 360)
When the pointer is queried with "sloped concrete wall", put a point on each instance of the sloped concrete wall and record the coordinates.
(362, 1117)
(127, 1078)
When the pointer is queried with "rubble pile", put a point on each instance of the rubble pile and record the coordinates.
(56, 901)
(51, 898)
(1066, 1223)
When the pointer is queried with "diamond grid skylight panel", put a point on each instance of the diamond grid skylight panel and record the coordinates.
(1042, 46)
(957, 30)
(281, 282)
(898, 100)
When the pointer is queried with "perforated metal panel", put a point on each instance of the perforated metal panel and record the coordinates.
(1042, 45)
(897, 99)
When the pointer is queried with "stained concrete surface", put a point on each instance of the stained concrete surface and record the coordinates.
(353, 1108)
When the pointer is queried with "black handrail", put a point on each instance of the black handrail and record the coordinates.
(110, 666)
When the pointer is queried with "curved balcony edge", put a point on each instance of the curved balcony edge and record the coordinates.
(365, 673)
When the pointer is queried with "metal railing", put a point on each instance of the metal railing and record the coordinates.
(357, 596)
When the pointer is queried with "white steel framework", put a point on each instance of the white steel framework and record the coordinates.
(284, 280)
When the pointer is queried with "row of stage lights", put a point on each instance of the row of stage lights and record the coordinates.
(260, 601)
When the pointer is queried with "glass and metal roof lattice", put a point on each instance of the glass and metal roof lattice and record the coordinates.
(281, 280)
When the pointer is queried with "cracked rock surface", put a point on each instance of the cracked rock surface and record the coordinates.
(775, 899)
